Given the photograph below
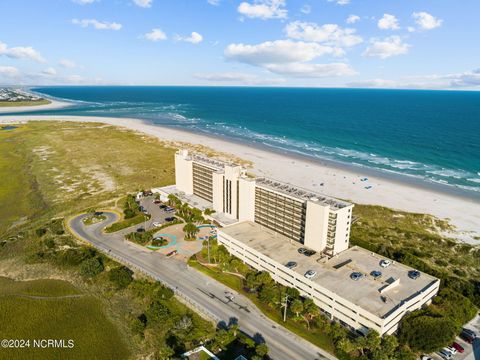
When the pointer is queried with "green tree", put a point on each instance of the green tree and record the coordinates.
(190, 230)
(310, 311)
(91, 267)
(297, 307)
(233, 329)
(426, 333)
(121, 276)
(261, 350)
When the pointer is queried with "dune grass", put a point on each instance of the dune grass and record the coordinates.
(52, 316)
(58, 168)
(24, 103)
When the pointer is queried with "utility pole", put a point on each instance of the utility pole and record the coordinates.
(285, 309)
(208, 249)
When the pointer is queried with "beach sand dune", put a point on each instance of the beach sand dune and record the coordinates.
(348, 184)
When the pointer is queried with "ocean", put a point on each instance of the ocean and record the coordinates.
(429, 135)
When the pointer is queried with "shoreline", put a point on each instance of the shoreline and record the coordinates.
(54, 104)
(339, 180)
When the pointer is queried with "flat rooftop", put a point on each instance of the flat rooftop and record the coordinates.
(331, 275)
(302, 194)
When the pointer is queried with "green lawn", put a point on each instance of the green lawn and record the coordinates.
(24, 103)
(315, 336)
(80, 319)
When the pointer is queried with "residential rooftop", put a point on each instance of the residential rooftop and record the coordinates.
(334, 274)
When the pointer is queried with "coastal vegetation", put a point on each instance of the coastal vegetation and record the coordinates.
(131, 215)
(24, 103)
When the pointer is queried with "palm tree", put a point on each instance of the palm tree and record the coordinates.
(297, 307)
(190, 230)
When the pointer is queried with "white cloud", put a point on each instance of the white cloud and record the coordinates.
(49, 71)
(329, 34)
(98, 25)
(340, 2)
(143, 3)
(68, 64)
(312, 70)
(264, 9)
(465, 80)
(289, 58)
(235, 77)
(388, 22)
(84, 2)
(306, 9)
(387, 47)
(410, 29)
(426, 21)
(352, 19)
(194, 38)
(21, 52)
(213, 2)
(155, 35)
(277, 52)
(9, 71)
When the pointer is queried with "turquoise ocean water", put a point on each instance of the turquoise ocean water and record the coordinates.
(429, 135)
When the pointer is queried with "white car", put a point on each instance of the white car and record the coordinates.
(445, 354)
(385, 263)
(310, 274)
(452, 350)
(157, 224)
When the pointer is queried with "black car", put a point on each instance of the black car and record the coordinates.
(98, 213)
(163, 206)
(140, 230)
(309, 253)
(171, 218)
(291, 265)
(414, 274)
(302, 250)
(469, 332)
(376, 274)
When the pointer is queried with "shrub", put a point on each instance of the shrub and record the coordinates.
(91, 267)
(40, 232)
(121, 276)
(157, 311)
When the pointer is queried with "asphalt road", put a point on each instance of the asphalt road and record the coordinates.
(200, 291)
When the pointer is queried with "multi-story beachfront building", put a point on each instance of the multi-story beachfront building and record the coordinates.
(266, 222)
(319, 222)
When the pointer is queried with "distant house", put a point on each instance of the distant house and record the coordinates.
(200, 353)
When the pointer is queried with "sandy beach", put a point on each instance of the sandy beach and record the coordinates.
(335, 181)
(54, 104)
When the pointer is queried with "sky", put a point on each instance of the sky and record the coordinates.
(431, 44)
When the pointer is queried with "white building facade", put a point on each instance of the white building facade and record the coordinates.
(320, 223)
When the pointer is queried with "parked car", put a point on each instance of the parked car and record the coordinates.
(458, 347)
(356, 276)
(171, 253)
(156, 202)
(169, 209)
(452, 350)
(385, 263)
(163, 206)
(171, 218)
(414, 274)
(445, 354)
(467, 338)
(291, 264)
(140, 230)
(376, 274)
(157, 224)
(98, 213)
(301, 250)
(425, 357)
(470, 332)
(309, 252)
(310, 274)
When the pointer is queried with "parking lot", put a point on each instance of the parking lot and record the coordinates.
(175, 235)
(472, 351)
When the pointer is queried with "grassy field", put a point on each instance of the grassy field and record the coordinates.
(53, 168)
(24, 103)
(54, 315)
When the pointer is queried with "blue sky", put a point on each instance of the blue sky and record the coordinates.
(357, 43)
